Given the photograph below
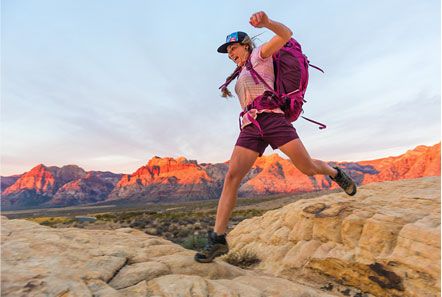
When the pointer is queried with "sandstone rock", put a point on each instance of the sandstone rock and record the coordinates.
(131, 275)
(43, 261)
(385, 240)
(244, 286)
(140, 289)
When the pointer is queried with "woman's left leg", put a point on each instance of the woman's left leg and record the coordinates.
(299, 156)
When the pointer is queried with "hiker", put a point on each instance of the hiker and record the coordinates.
(259, 128)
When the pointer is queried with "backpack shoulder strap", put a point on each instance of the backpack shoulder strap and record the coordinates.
(256, 76)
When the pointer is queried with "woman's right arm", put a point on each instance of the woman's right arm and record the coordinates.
(283, 33)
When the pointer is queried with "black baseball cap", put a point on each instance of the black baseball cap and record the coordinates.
(232, 38)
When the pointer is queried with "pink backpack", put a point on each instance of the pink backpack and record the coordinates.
(291, 80)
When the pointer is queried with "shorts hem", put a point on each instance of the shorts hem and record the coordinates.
(255, 150)
(293, 138)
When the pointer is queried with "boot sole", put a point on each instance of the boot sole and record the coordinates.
(218, 253)
(352, 193)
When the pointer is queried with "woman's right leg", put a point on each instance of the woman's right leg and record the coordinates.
(241, 161)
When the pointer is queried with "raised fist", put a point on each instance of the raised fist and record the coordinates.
(259, 20)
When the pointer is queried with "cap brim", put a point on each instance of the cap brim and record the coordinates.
(223, 48)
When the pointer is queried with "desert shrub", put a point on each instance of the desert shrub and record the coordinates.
(183, 232)
(48, 223)
(139, 224)
(165, 224)
(106, 217)
(243, 259)
(194, 242)
(248, 213)
(52, 221)
(129, 215)
(191, 221)
(172, 227)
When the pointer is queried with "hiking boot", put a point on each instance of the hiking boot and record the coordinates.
(344, 181)
(216, 246)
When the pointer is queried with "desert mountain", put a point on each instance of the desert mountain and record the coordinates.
(169, 179)
(7, 181)
(166, 179)
(421, 161)
(88, 189)
(69, 185)
(39, 185)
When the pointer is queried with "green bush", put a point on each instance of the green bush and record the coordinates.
(129, 215)
(183, 232)
(106, 217)
(47, 223)
(193, 242)
(248, 213)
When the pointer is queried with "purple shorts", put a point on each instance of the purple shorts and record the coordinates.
(276, 129)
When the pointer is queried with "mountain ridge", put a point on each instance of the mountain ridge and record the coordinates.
(168, 180)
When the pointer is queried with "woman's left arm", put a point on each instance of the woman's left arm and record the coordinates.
(283, 34)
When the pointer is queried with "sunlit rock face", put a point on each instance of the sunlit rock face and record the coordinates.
(385, 240)
(422, 161)
(172, 180)
(165, 179)
(39, 185)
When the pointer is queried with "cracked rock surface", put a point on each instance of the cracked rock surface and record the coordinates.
(43, 261)
(385, 240)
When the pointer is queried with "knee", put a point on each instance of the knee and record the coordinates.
(233, 176)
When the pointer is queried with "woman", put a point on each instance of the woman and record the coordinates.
(274, 128)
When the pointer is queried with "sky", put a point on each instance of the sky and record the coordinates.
(109, 84)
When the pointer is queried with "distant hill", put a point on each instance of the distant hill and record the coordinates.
(69, 185)
(169, 179)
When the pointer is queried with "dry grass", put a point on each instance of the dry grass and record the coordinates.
(244, 259)
(50, 219)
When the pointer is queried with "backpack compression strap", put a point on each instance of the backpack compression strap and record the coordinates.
(316, 67)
